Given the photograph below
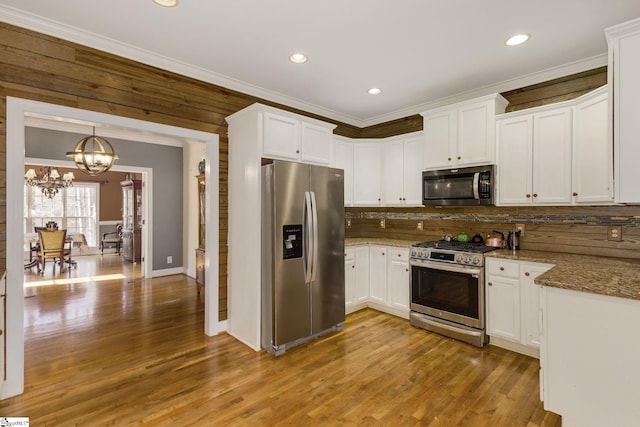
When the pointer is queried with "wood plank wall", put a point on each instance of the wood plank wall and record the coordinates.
(42, 68)
(577, 230)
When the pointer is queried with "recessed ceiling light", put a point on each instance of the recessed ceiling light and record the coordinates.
(166, 3)
(298, 58)
(374, 91)
(517, 39)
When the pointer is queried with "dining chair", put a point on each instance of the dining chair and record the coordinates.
(52, 246)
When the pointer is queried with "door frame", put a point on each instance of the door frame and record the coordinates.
(17, 110)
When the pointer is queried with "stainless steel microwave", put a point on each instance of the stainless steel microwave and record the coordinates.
(472, 186)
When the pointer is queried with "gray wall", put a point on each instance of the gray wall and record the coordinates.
(166, 162)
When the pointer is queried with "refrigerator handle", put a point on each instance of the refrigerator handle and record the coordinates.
(314, 216)
(308, 247)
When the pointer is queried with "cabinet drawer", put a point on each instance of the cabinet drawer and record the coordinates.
(500, 267)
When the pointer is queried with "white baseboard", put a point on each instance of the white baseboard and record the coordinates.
(167, 272)
(514, 346)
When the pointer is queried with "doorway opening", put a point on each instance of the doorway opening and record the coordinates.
(18, 110)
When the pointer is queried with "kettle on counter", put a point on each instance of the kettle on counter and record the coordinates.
(494, 241)
(477, 238)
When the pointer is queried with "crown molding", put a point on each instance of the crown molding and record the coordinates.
(86, 38)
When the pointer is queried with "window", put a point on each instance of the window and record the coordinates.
(74, 209)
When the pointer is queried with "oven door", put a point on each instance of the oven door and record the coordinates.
(447, 291)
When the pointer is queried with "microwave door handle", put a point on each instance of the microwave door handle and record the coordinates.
(476, 185)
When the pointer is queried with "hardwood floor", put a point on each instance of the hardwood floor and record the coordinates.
(133, 352)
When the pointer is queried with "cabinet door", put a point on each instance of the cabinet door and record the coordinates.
(503, 307)
(281, 137)
(514, 160)
(440, 137)
(378, 274)
(398, 279)
(625, 68)
(366, 173)
(476, 136)
(592, 152)
(413, 159)
(343, 159)
(531, 302)
(552, 138)
(349, 278)
(361, 254)
(316, 144)
(393, 166)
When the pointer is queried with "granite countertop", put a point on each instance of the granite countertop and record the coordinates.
(398, 243)
(616, 277)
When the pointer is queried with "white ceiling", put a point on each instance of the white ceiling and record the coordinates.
(421, 53)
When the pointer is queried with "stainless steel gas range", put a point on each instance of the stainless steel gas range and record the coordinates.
(447, 289)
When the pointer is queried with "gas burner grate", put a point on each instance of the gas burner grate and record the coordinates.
(456, 246)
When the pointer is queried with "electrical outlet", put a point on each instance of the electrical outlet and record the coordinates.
(169, 260)
(419, 226)
(348, 222)
(520, 228)
(614, 233)
(382, 223)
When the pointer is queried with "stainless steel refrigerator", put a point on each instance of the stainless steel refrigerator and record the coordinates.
(302, 253)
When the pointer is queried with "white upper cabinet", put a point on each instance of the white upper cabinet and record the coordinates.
(402, 164)
(624, 84)
(592, 150)
(534, 157)
(559, 154)
(343, 159)
(367, 167)
(296, 138)
(462, 134)
(552, 157)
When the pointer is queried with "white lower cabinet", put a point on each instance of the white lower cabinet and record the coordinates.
(398, 279)
(377, 277)
(589, 357)
(356, 277)
(378, 274)
(513, 304)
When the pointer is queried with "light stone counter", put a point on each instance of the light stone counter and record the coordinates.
(398, 243)
(616, 277)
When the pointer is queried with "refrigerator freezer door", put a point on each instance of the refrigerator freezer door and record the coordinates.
(327, 290)
(289, 292)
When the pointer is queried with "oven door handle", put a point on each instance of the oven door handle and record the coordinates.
(446, 267)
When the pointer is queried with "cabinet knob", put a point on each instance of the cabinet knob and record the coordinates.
(526, 273)
(403, 199)
(459, 157)
(353, 266)
(400, 198)
(535, 194)
(501, 268)
(382, 253)
(449, 158)
(575, 194)
(379, 199)
(528, 196)
(345, 254)
(406, 269)
(297, 151)
(490, 284)
(399, 255)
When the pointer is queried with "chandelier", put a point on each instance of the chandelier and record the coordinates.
(93, 155)
(49, 180)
